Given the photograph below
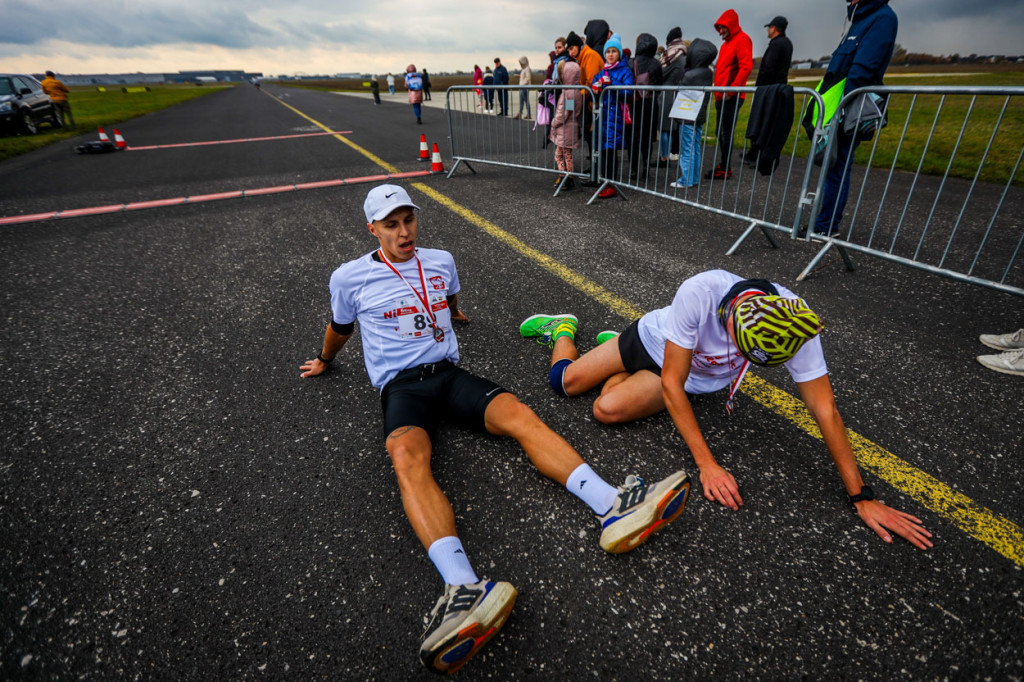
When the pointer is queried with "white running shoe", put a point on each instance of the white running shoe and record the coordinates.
(1010, 362)
(462, 621)
(1011, 341)
(641, 510)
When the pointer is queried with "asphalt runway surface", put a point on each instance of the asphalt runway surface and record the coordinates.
(177, 503)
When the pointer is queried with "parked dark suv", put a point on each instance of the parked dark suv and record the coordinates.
(24, 105)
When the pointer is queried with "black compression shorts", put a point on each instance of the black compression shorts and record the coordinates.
(424, 395)
(634, 356)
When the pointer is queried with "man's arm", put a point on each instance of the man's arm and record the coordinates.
(453, 307)
(817, 395)
(334, 341)
(718, 483)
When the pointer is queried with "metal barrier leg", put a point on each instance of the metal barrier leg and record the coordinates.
(560, 183)
(746, 233)
(456, 165)
(813, 265)
(598, 191)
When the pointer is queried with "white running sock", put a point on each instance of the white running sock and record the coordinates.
(592, 489)
(451, 562)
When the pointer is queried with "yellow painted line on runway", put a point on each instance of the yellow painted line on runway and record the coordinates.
(370, 155)
(979, 522)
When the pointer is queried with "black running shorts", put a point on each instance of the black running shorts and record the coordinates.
(424, 395)
(634, 356)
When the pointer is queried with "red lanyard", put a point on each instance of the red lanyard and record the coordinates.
(438, 332)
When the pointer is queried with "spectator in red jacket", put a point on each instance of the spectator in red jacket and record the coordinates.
(735, 62)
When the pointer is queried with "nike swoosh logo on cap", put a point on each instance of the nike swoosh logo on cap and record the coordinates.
(388, 196)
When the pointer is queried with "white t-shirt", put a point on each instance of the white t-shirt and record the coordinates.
(395, 330)
(692, 322)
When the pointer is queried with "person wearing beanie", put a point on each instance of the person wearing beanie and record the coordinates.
(525, 78)
(614, 105)
(735, 62)
(414, 84)
(717, 325)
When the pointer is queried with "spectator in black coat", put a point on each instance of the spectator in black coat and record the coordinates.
(501, 78)
(774, 69)
(646, 104)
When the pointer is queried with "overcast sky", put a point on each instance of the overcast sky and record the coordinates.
(303, 36)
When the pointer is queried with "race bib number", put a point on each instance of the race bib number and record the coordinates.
(409, 321)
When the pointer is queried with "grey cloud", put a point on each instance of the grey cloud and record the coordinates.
(131, 26)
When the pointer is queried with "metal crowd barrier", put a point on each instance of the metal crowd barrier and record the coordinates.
(932, 217)
(775, 199)
(477, 136)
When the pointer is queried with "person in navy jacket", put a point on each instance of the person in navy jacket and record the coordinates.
(863, 54)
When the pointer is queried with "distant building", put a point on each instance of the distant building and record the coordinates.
(208, 76)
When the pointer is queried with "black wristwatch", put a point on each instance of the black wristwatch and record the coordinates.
(866, 493)
(321, 358)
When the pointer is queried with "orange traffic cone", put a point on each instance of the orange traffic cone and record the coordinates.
(436, 165)
(119, 141)
(103, 136)
(424, 153)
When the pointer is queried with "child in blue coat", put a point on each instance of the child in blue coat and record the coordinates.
(614, 105)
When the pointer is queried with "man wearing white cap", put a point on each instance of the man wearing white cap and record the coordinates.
(405, 300)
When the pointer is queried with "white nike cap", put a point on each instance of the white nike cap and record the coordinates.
(383, 199)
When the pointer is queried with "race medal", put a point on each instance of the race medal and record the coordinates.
(438, 334)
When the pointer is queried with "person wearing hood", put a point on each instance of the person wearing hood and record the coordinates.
(673, 67)
(735, 62)
(525, 78)
(646, 104)
(478, 80)
(597, 33)
(488, 90)
(698, 74)
(565, 132)
(414, 84)
(613, 104)
(863, 55)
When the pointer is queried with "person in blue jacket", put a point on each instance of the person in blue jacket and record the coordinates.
(613, 103)
(501, 78)
(863, 54)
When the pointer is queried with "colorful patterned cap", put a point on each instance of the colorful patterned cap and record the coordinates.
(770, 330)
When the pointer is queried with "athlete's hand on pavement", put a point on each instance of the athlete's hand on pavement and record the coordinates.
(312, 368)
(720, 486)
(879, 517)
(460, 317)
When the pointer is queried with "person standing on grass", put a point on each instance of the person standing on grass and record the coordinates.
(58, 94)
(405, 299)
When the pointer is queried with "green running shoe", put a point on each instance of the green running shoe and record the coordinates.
(549, 327)
(606, 335)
